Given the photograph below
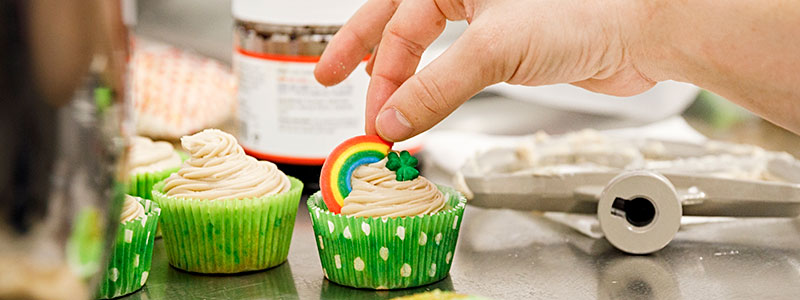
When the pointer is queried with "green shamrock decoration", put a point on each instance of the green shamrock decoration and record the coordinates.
(404, 165)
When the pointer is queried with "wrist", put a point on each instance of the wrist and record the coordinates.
(648, 32)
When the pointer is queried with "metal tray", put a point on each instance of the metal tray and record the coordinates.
(684, 180)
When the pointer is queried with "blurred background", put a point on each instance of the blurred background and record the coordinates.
(204, 28)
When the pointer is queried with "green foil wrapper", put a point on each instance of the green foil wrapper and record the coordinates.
(129, 264)
(228, 236)
(387, 253)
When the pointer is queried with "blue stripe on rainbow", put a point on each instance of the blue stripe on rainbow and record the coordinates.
(344, 159)
(353, 166)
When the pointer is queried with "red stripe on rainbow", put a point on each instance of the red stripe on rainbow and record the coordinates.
(338, 167)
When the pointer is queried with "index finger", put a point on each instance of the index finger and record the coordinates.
(414, 26)
(354, 41)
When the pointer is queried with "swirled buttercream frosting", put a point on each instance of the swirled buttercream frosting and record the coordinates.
(219, 169)
(131, 210)
(148, 156)
(377, 193)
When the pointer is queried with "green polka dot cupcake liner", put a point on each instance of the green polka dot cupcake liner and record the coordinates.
(387, 253)
(129, 264)
(228, 236)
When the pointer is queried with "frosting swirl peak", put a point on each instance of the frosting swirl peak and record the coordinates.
(219, 169)
(131, 210)
(149, 156)
(377, 193)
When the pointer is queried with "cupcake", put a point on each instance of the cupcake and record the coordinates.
(224, 211)
(129, 263)
(150, 162)
(380, 225)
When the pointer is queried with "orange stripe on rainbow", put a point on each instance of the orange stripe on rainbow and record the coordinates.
(340, 164)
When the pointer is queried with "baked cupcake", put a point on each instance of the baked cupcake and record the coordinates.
(148, 163)
(379, 224)
(224, 211)
(129, 264)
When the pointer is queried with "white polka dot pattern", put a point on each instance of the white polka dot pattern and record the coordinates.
(128, 236)
(128, 266)
(145, 274)
(365, 228)
(384, 253)
(358, 264)
(114, 275)
(405, 271)
(346, 233)
(389, 253)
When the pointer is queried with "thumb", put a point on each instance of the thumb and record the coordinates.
(429, 96)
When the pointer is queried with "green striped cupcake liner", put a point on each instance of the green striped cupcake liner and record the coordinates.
(129, 264)
(387, 253)
(228, 236)
(141, 184)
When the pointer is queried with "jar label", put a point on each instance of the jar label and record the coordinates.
(286, 116)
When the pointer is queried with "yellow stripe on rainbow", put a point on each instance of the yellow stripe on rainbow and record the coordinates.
(338, 164)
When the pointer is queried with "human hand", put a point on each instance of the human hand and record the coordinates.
(528, 42)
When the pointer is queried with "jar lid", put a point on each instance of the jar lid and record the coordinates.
(296, 12)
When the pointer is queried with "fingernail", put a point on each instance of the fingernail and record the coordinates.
(393, 126)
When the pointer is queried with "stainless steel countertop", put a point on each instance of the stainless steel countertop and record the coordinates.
(507, 254)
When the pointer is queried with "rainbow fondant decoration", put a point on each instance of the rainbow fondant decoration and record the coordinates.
(334, 181)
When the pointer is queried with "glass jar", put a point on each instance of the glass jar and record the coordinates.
(285, 115)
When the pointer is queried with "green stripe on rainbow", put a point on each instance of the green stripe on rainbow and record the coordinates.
(360, 158)
(345, 164)
(343, 160)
